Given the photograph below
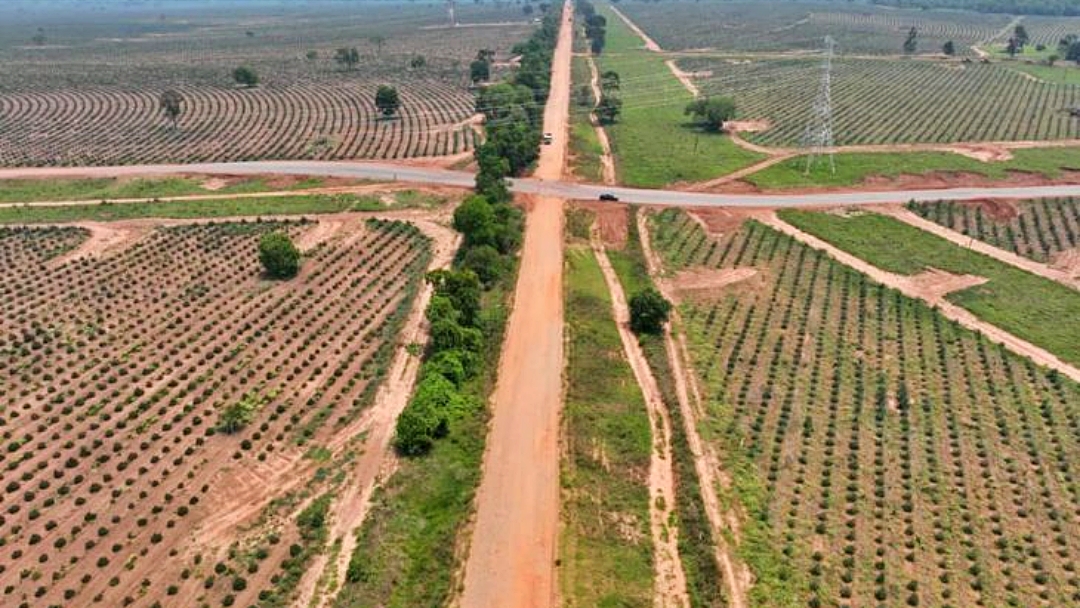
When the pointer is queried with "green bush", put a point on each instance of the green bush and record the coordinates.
(279, 256)
(486, 262)
(427, 416)
(648, 312)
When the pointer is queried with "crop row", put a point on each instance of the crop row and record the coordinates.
(322, 120)
(1039, 229)
(883, 102)
(891, 457)
(115, 371)
(783, 26)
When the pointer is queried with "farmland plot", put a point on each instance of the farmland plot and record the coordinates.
(82, 100)
(1044, 230)
(800, 26)
(884, 455)
(122, 476)
(885, 102)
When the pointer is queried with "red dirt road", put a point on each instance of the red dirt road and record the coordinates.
(511, 561)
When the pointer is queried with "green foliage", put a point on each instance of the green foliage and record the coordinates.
(479, 71)
(609, 108)
(486, 262)
(387, 101)
(236, 415)
(462, 288)
(279, 256)
(649, 311)
(949, 48)
(428, 415)
(347, 57)
(912, 41)
(245, 76)
(712, 112)
(172, 103)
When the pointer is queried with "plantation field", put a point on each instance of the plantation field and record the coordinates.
(892, 102)
(1045, 230)
(1028, 306)
(802, 26)
(654, 142)
(90, 94)
(883, 454)
(121, 481)
(867, 168)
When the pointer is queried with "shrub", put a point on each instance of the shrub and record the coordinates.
(649, 311)
(427, 416)
(279, 256)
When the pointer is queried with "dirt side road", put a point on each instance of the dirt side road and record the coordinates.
(670, 588)
(906, 286)
(1008, 257)
(511, 561)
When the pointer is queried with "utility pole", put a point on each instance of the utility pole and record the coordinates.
(819, 133)
(450, 13)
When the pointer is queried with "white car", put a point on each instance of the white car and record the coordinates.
(548, 138)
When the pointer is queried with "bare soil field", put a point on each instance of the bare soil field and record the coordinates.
(123, 346)
(90, 94)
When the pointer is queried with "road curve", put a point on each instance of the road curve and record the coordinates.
(550, 187)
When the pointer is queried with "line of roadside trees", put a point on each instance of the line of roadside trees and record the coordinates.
(460, 333)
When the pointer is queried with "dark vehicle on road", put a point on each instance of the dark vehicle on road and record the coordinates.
(607, 196)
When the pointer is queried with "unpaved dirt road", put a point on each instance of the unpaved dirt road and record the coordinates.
(511, 562)
(910, 288)
(723, 521)
(607, 161)
(670, 588)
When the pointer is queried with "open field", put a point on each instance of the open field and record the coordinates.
(105, 79)
(1044, 230)
(883, 455)
(801, 26)
(887, 102)
(118, 485)
(1023, 304)
(653, 142)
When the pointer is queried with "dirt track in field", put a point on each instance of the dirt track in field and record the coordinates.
(711, 475)
(670, 589)
(932, 293)
(1008, 257)
(607, 161)
(511, 561)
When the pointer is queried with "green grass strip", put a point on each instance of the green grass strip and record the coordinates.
(1033, 308)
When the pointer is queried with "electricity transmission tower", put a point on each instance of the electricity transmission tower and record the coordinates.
(819, 133)
(450, 12)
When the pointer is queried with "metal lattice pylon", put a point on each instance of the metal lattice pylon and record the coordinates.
(819, 134)
(450, 6)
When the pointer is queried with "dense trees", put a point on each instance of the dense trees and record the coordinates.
(245, 76)
(911, 43)
(712, 112)
(347, 57)
(1018, 7)
(387, 100)
(610, 105)
(949, 48)
(279, 256)
(595, 27)
(649, 311)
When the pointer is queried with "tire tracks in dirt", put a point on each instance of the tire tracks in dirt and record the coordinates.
(906, 286)
(670, 585)
(607, 161)
(737, 577)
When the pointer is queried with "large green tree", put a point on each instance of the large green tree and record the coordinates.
(279, 256)
(649, 311)
(387, 100)
(245, 76)
(712, 112)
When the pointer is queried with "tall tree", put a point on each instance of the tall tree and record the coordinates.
(949, 48)
(911, 43)
(387, 101)
(245, 76)
(172, 103)
(479, 71)
(609, 81)
(712, 112)
(607, 111)
(347, 57)
(1021, 35)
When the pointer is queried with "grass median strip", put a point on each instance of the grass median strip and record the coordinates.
(606, 550)
(1030, 307)
(208, 208)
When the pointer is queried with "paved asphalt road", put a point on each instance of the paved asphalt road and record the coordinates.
(561, 189)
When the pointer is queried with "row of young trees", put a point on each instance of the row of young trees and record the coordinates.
(491, 229)
(595, 26)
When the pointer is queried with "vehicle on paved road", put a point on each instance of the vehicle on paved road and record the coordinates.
(607, 196)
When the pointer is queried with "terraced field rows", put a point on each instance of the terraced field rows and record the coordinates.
(882, 102)
(115, 373)
(1037, 229)
(319, 120)
(885, 456)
